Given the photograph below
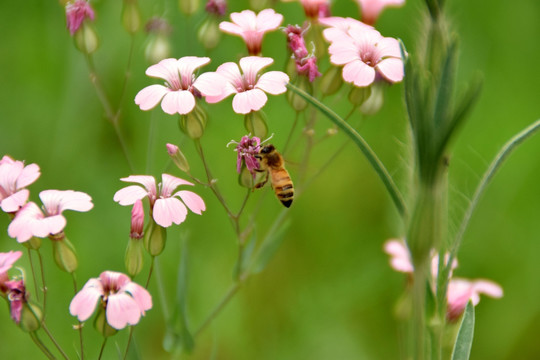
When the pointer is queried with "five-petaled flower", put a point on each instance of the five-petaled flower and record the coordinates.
(165, 206)
(371, 9)
(76, 13)
(14, 177)
(460, 291)
(181, 88)
(123, 300)
(252, 27)
(32, 221)
(249, 86)
(246, 150)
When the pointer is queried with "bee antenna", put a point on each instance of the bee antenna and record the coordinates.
(267, 139)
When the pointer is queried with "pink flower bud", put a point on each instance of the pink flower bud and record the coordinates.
(76, 13)
(216, 7)
(137, 220)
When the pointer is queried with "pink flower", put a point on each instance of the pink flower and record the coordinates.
(216, 7)
(32, 221)
(366, 54)
(124, 301)
(306, 64)
(246, 149)
(252, 27)
(14, 177)
(313, 8)
(6, 262)
(338, 27)
(249, 86)
(166, 208)
(16, 294)
(371, 9)
(460, 291)
(137, 220)
(181, 86)
(76, 13)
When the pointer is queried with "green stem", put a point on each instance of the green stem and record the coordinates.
(41, 346)
(370, 155)
(103, 348)
(129, 341)
(33, 274)
(289, 137)
(150, 272)
(50, 335)
(80, 326)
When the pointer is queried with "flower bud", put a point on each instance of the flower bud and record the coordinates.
(258, 5)
(64, 255)
(101, 324)
(188, 7)
(137, 221)
(134, 257)
(155, 238)
(358, 95)
(86, 39)
(255, 124)
(209, 33)
(375, 100)
(158, 46)
(34, 243)
(331, 81)
(245, 178)
(297, 102)
(131, 16)
(193, 123)
(178, 157)
(31, 317)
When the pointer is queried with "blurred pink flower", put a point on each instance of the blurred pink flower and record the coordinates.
(370, 9)
(165, 206)
(181, 86)
(366, 54)
(306, 64)
(32, 221)
(216, 7)
(314, 8)
(249, 86)
(252, 27)
(246, 150)
(14, 177)
(124, 301)
(460, 291)
(338, 27)
(6, 262)
(76, 13)
(16, 294)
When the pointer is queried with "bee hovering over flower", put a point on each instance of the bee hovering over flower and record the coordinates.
(271, 162)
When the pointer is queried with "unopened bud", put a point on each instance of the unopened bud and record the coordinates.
(297, 102)
(245, 178)
(64, 255)
(31, 317)
(155, 238)
(375, 101)
(178, 157)
(86, 39)
(255, 123)
(34, 243)
(137, 220)
(101, 324)
(358, 95)
(209, 33)
(134, 257)
(331, 81)
(131, 16)
(258, 5)
(158, 46)
(188, 7)
(193, 123)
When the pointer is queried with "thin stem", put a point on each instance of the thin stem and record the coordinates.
(80, 326)
(56, 344)
(150, 272)
(505, 151)
(33, 273)
(129, 341)
(103, 347)
(289, 137)
(161, 291)
(44, 289)
(41, 346)
(370, 155)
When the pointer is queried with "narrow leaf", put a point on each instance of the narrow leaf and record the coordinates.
(270, 246)
(462, 347)
(445, 90)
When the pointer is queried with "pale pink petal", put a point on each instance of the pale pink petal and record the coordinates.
(488, 288)
(166, 69)
(247, 101)
(400, 259)
(66, 200)
(252, 65)
(21, 227)
(391, 69)
(14, 202)
(181, 102)
(113, 280)
(169, 211)
(188, 64)
(28, 175)
(140, 295)
(246, 19)
(169, 183)
(268, 20)
(6, 160)
(273, 82)
(365, 38)
(48, 226)
(231, 72)
(389, 47)
(230, 28)
(122, 310)
(145, 180)
(150, 96)
(130, 194)
(193, 201)
(84, 302)
(8, 259)
(358, 73)
(343, 52)
(210, 84)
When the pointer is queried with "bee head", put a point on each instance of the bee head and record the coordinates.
(267, 149)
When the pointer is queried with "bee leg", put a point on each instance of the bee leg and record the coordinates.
(262, 183)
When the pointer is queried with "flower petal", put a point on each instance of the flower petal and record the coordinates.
(168, 211)
(210, 84)
(140, 295)
(268, 19)
(84, 302)
(273, 82)
(358, 73)
(247, 101)
(121, 310)
(193, 201)
(391, 69)
(166, 69)
(150, 96)
(21, 227)
(48, 226)
(252, 65)
(188, 64)
(169, 183)
(181, 102)
(129, 194)
(66, 200)
(343, 52)
(14, 202)
(28, 175)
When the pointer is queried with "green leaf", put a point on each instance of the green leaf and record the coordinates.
(462, 347)
(270, 246)
(445, 90)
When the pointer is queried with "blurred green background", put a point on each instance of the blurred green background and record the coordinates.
(329, 292)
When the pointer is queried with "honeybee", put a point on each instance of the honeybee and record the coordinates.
(271, 162)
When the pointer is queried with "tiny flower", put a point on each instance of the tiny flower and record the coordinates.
(460, 291)
(123, 300)
(166, 207)
(246, 150)
(250, 87)
(32, 221)
(14, 177)
(371, 9)
(366, 54)
(76, 13)
(216, 7)
(137, 220)
(178, 157)
(181, 85)
(252, 27)
(314, 8)
(6, 262)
